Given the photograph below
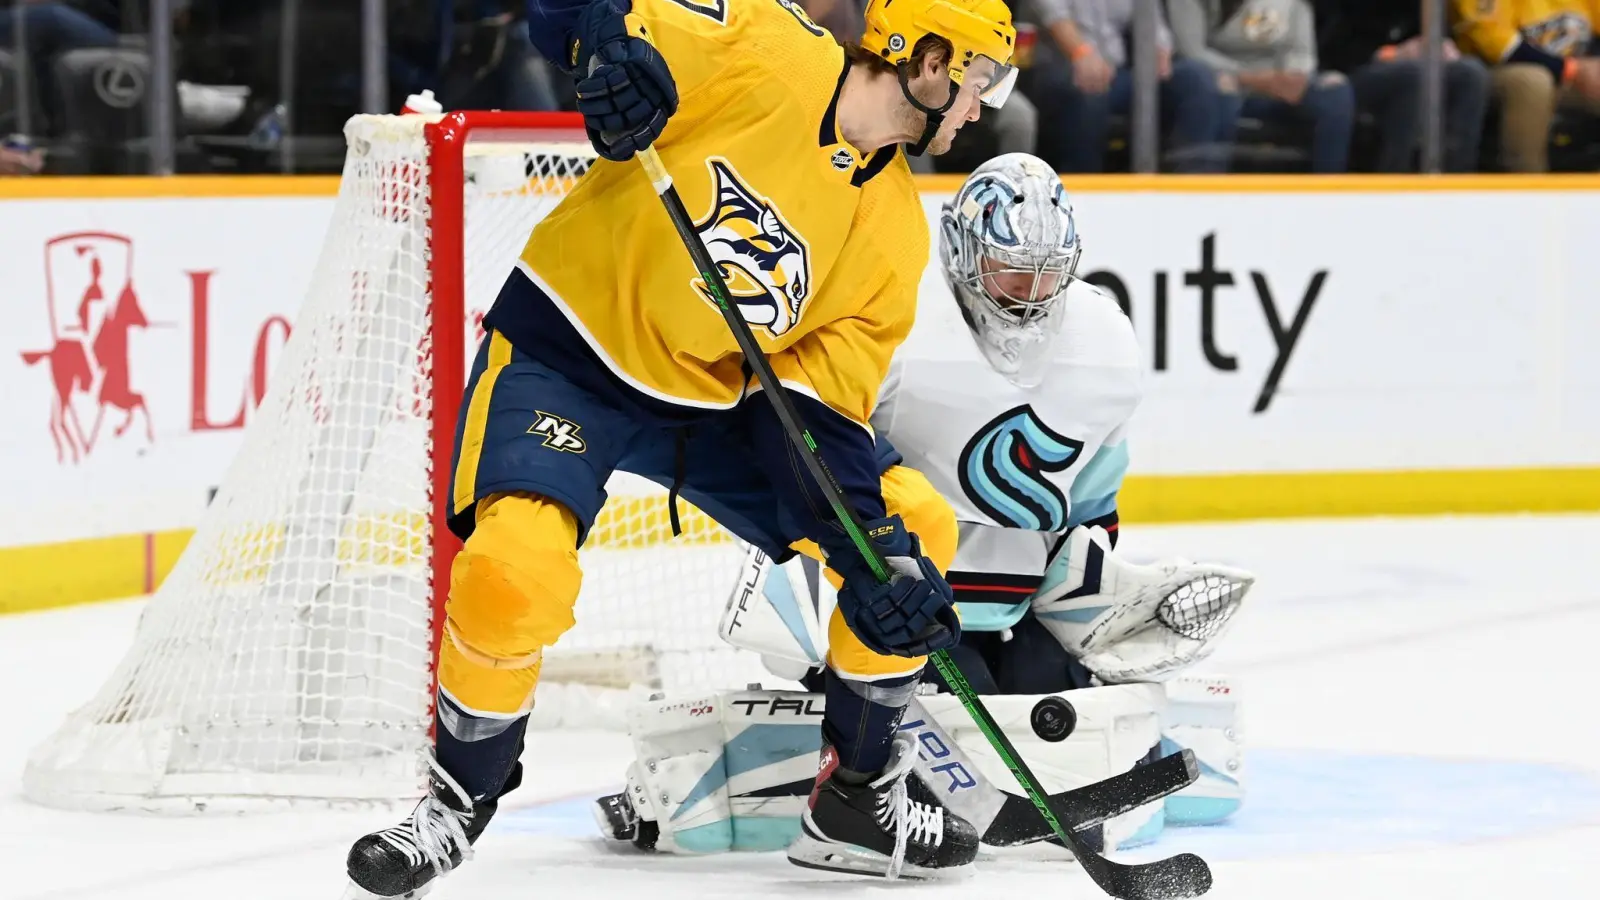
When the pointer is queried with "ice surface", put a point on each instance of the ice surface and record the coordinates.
(1420, 716)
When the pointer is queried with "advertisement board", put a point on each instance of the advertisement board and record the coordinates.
(1308, 352)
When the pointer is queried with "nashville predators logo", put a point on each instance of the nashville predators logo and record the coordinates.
(558, 433)
(765, 263)
(1264, 26)
(1560, 34)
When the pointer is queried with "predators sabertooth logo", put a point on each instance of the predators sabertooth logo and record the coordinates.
(558, 433)
(765, 263)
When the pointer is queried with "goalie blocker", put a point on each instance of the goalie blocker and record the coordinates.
(732, 771)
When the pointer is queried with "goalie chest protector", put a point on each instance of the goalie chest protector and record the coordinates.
(1020, 465)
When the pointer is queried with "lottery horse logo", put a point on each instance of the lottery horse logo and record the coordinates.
(92, 308)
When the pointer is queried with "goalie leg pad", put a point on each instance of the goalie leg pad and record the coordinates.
(1117, 728)
(727, 771)
(512, 591)
(1203, 715)
(777, 612)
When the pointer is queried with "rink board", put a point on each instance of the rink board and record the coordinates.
(1367, 346)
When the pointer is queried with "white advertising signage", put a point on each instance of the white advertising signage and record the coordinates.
(1284, 332)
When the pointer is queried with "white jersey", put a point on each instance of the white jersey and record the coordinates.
(1020, 465)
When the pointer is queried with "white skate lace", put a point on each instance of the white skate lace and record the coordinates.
(434, 828)
(911, 820)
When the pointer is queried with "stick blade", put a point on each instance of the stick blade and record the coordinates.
(1095, 803)
(1080, 809)
(1174, 878)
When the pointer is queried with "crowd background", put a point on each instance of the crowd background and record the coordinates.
(1324, 86)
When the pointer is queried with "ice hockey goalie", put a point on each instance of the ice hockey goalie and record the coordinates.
(1014, 402)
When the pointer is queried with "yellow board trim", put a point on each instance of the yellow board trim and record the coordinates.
(213, 186)
(45, 576)
(1298, 184)
(1285, 495)
(184, 186)
(477, 420)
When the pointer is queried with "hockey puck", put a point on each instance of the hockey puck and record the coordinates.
(1053, 719)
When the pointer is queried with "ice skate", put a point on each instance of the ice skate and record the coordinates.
(404, 860)
(878, 828)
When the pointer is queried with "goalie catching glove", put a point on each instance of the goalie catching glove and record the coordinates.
(914, 613)
(1128, 622)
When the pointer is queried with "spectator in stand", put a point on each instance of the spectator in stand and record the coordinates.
(1081, 77)
(1377, 44)
(1270, 48)
(51, 29)
(16, 160)
(475, 54)
(1536, 50)
(842, 18)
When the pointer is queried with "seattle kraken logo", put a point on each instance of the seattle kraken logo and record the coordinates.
(766, 264)
(1003, 470)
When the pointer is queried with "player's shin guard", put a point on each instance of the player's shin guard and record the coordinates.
(512, 589)
(863, 716)
(480, 752)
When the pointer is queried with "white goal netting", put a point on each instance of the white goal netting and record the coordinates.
(289, 654)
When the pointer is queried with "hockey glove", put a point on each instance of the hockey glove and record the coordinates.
(627, 93)
(914, 614)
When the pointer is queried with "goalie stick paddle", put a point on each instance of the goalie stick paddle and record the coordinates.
(1085, 807)
(1184, 875)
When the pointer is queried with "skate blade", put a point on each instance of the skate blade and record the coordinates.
(810, 853)
(353, 891)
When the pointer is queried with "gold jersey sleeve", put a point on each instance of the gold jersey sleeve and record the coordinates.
(821, 245)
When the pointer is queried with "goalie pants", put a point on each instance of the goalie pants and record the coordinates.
(533, 454)
(1023, 659)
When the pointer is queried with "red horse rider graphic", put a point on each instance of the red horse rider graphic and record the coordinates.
(77, 269)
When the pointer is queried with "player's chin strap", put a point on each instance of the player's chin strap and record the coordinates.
(935, 116)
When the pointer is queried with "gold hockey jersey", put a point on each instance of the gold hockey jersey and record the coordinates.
(822, 248)
(1493, 28)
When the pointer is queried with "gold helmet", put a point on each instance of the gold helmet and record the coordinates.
(980, 31)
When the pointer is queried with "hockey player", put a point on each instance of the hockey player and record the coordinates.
(605, 352)
(1015, 402)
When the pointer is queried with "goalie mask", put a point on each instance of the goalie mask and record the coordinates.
(1009, 248)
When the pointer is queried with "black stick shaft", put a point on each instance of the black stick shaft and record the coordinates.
(798, 435)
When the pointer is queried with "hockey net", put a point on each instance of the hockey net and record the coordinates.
(288, 657)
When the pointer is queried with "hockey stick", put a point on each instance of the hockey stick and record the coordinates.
(1184, 875)
(1085, 807)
